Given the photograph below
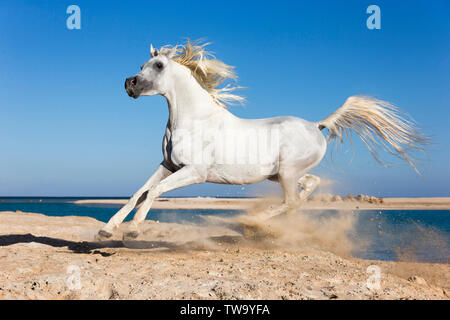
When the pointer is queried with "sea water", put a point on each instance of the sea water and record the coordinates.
(412, 235)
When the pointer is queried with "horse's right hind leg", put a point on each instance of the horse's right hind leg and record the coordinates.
(257, 224)
(307, 182)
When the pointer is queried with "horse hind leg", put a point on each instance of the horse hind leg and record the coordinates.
(256, 226)
(293, 198)
(308, 183)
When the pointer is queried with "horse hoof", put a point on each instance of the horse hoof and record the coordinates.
(102, 234)
(131, 235)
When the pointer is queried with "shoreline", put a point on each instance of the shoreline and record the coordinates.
(211, 203)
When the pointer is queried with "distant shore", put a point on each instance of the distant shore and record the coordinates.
(320, 203)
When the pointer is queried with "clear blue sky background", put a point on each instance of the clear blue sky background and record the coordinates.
(67, 126)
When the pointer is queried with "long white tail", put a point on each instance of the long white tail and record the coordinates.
(379, 124)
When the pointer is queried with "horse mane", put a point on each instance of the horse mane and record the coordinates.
(209, 72)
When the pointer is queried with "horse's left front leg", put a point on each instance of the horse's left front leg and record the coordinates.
(185, 176)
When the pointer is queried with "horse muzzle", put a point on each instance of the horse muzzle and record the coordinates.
(137, 85)
(131, 87)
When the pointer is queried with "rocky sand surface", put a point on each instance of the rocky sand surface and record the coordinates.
(45, 257)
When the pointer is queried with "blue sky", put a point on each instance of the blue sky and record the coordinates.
(67, 126)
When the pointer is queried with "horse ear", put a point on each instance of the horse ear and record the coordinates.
(153, 52)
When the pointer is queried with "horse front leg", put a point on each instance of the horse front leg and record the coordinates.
(185, 176)
(160, 173)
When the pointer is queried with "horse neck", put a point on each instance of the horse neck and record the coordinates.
(189, 102)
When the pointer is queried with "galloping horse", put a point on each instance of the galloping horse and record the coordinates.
(204, 142)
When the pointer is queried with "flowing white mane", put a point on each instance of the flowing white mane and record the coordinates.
(206, 69)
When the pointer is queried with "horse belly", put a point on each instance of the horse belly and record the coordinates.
(241, 174)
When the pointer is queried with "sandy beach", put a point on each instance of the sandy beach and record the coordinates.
(321, 202)
(44, 257)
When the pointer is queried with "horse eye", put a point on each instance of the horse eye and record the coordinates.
(159, 65)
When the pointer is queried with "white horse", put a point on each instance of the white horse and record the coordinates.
(204, 142)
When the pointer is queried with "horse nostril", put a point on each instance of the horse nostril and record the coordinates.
(130, 82)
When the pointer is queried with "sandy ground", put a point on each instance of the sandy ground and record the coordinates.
(316, 202)
(45, 257)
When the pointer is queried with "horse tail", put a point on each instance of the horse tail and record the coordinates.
(379, 125)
